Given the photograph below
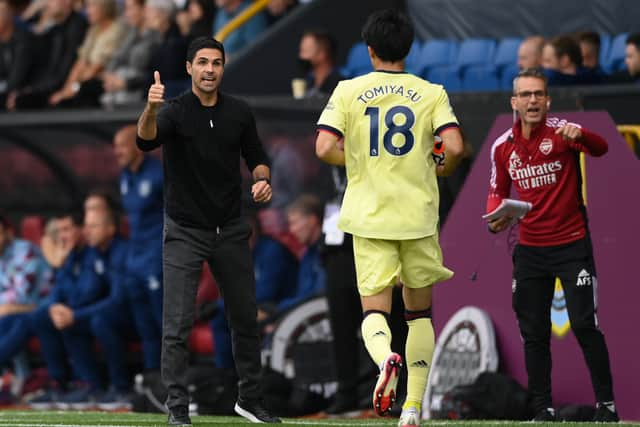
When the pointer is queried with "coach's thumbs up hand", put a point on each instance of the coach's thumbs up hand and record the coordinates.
(156, 92)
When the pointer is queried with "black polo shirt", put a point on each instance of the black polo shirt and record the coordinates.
(201, 154)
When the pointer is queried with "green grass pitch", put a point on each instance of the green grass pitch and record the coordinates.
(11, 418)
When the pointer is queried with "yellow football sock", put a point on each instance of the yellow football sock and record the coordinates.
(377, 337)
(419, 352)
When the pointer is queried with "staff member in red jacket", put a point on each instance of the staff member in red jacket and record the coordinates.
(540, 156)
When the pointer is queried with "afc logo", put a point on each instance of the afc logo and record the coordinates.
(546, 146)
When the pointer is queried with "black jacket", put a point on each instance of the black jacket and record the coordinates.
(202, 147)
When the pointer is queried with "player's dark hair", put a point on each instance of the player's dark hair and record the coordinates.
(531, 72)
(389, 33)
(204, 43)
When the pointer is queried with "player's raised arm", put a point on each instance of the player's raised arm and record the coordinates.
(147, 127)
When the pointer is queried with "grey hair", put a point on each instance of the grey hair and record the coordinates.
(531, 72)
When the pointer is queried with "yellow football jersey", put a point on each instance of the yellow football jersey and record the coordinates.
(388, 121)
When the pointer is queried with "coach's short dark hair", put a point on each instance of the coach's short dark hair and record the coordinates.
(204, 43)
(389, 33)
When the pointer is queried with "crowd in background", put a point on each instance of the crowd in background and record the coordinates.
(70, 53)
(570, 59)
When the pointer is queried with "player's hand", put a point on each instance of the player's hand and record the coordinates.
(261, 191)
(500, 224)
(569, 132)
(156, 92)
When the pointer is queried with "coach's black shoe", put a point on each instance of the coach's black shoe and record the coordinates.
(605, 415)
(254, 411)
(547, 414)
(179, 416)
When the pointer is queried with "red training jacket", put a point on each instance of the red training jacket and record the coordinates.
(546, 172)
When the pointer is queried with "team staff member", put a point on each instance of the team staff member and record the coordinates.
(389, 120)
(141, 185)
(203, 133)
(540, 156)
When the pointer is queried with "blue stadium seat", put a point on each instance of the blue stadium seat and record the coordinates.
(605, 46)
(480, 78)
(475, 51)
(615, 59)
(507, 52)
(412, 63)
(437, 53)
(358, 62)
(507, 74)
(446, 76)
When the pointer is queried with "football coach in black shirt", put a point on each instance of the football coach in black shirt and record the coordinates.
(203, 133)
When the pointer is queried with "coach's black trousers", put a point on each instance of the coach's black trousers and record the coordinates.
(534, 273)
(229, 257)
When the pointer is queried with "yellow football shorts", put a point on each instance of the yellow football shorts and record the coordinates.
(379, 263)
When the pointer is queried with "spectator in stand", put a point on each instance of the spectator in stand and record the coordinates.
(276, 9)
(55, 52)
(317, 56)
(562, 63)
(589, 42)
(25, 279)
(631, 60)
(131, 60)
(530, 52)
(241, 37)
(169, 57)
(275, 269)
(197, 19)
(98, 47)
(15, 55)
